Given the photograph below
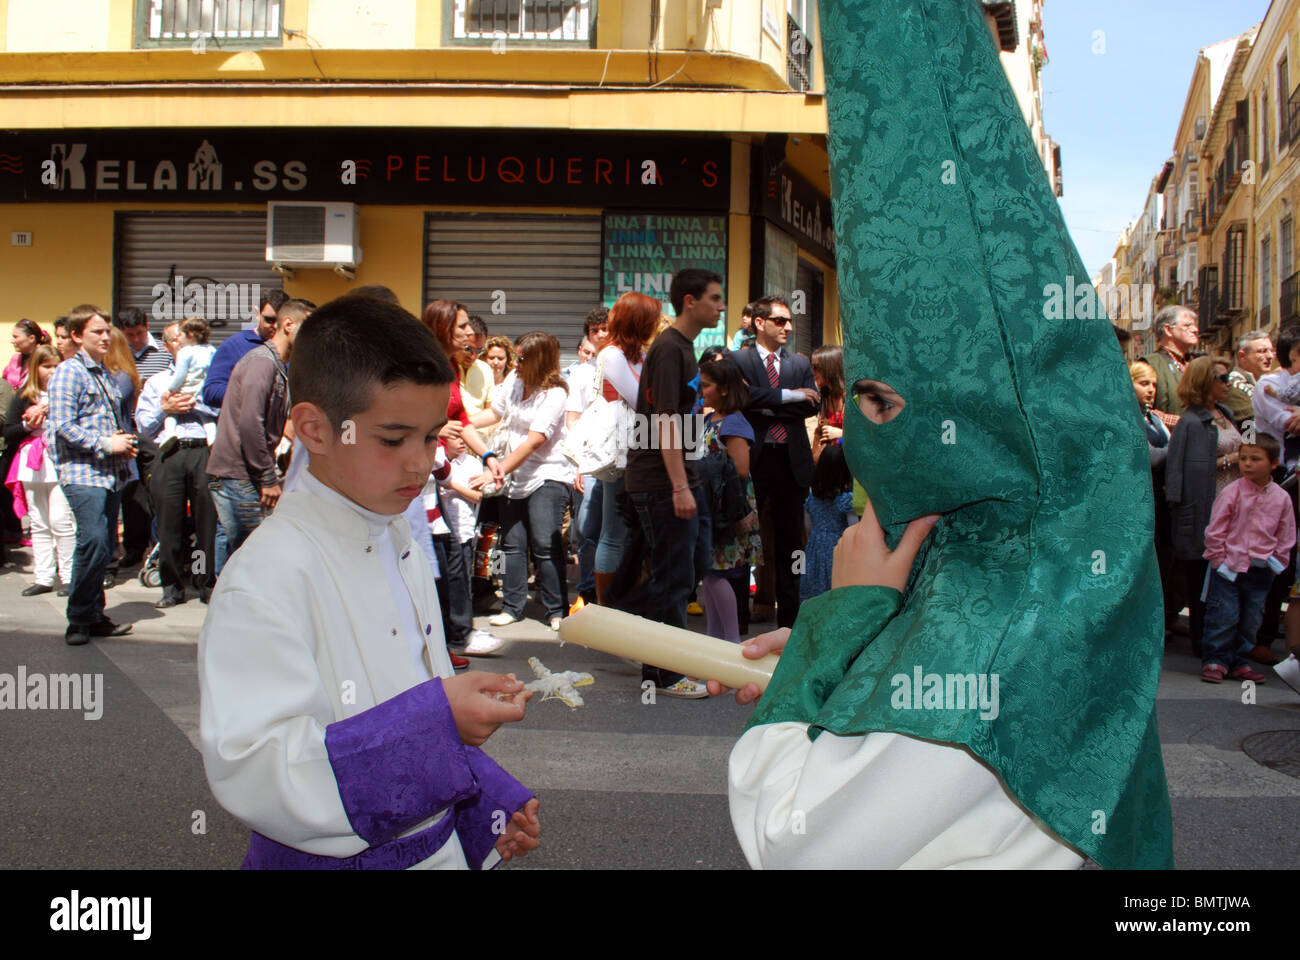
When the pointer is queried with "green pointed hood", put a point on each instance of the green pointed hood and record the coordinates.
(1022, 430)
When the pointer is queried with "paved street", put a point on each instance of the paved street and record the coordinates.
(622, 784)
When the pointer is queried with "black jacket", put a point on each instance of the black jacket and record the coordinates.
(1190, 478)
(765, 407)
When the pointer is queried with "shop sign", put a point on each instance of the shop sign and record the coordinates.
(418, 166)
(795, 204)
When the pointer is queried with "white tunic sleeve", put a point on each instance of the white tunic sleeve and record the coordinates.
(880, 801)
(264, 710)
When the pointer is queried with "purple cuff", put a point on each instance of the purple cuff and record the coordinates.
(399, 762)
(265, 854)
(481, 820)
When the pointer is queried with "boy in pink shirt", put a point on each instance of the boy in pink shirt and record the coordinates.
(1248, 542)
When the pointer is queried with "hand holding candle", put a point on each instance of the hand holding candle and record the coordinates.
(671, 648)
(763, 645)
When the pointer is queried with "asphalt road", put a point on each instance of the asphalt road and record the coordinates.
(623, 784)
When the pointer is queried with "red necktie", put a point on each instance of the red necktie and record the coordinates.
(777, 433)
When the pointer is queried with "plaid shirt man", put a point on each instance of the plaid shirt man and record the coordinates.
(84, 412)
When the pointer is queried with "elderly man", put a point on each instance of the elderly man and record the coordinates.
(1254, 359)
(1177, 334)
(179, 479)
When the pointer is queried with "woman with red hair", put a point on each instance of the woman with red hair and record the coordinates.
(632, 322)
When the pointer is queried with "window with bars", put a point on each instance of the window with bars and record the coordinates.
(1234, 261)
(1283, 121)
(248, 23)
(568, 22)
(1263, 129)
(1266, 271)
(1286, 237)
(799, 33)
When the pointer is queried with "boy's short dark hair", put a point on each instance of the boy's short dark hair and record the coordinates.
(479, 326)
(352, 345)
(693, 281)
(1268, 443)
(375, 291)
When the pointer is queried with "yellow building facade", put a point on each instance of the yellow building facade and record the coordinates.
(1227, 176)
(1270, 83)
(532, 160)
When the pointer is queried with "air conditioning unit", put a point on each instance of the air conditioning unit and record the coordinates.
(301, 234)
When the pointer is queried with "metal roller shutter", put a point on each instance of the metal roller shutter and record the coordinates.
(541, 272)
(221, 248)
(808, 321)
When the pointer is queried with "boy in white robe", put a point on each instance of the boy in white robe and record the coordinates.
(330, 720)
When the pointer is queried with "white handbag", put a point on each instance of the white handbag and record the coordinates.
(597, 444)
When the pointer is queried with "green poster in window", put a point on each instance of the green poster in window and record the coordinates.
(642, 251)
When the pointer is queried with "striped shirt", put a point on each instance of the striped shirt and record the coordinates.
(432, 504)
(84, 413)
(152, 359)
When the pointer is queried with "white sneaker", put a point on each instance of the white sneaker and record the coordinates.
(686, 689)
(482, 643)
(502, 619)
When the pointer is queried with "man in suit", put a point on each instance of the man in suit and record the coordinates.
(1177, 334)
(782, 395)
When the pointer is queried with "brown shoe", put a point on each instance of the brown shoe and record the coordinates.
(1262, 654)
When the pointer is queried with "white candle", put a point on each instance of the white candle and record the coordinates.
(683, 651)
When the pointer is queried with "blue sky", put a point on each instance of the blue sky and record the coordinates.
(1115, 114)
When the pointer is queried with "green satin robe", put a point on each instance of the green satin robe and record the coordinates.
(1022, 430)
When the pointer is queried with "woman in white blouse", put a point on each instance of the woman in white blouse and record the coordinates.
(530, 407)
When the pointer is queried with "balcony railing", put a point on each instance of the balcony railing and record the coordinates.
(1288, 302)
(1208, 301)
(1292, 131)
(1226, 177)
(224, 22)
(563, 22)
(798, 56)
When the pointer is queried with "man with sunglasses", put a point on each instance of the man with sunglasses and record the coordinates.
(782, 394)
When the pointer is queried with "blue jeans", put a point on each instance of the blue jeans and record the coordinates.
(613, 531)
(670, 543)
(1233, 613)
(585, 532)
(239, 513)
(535, 520)
(584, 544)
(95, 509)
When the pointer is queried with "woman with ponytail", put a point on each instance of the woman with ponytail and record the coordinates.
(27, 336)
